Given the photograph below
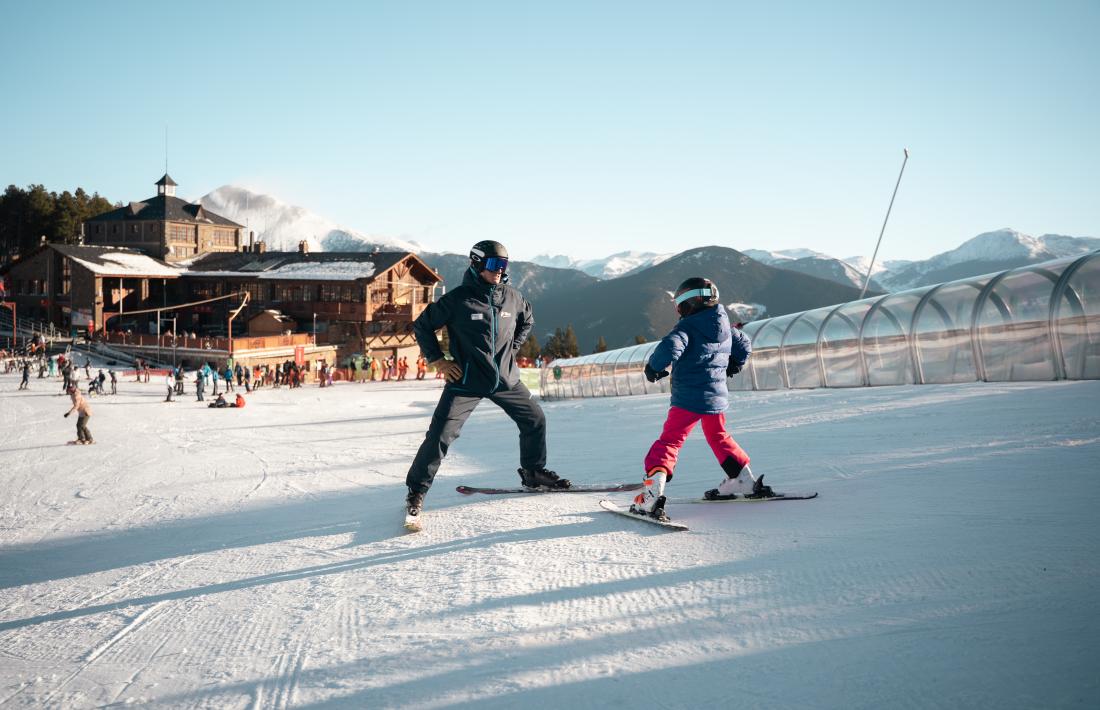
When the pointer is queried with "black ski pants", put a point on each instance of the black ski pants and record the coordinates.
(451, 413)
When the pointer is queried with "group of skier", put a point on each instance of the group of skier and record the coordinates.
(487, 321)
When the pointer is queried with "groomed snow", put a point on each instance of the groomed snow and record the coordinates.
(255, 558)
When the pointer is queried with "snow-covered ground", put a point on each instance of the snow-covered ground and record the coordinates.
(255, 557)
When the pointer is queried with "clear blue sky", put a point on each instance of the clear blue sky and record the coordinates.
(582, 128)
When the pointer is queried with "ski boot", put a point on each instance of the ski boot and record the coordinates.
(414, 501)
(541, 478)
(739, 483)
(651, 501)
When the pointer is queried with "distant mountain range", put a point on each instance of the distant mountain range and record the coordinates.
(626, 295)
(986, 253)
(609, 267)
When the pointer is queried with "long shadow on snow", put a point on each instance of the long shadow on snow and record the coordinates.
(479, 541)
(98, 552)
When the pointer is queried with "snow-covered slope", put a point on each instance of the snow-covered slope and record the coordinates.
(282, 226)
(234, 558)
(609, 267)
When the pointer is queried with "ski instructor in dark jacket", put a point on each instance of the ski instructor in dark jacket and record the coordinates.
(487, 321)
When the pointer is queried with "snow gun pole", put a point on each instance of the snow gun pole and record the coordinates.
(234, 314)
(871, 266)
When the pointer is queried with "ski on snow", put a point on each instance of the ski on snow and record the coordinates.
(743, 499)
(614, 507)
(576, 488)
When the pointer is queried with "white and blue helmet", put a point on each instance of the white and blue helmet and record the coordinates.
(694, 295)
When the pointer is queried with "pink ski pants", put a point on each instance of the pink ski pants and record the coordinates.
(679, 424)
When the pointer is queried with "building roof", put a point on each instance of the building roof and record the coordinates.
(117, 261)
(290, 265)
(167, 181)
(166, 208)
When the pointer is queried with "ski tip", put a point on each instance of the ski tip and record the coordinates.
(465, 490)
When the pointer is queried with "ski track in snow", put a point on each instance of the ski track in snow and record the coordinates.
(254, 558)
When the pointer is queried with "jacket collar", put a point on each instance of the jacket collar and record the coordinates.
(472, 280)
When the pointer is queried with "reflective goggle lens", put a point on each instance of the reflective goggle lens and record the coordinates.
(495, 263)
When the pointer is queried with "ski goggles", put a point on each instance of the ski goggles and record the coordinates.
(495, 263)
(704, 292)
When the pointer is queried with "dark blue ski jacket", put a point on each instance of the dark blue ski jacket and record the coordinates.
(698, 349)
(485, 324)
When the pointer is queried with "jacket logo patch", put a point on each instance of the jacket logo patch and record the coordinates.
(505, 314)
(477, 316)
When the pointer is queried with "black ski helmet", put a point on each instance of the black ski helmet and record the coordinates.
(486, 248)
(695, 294)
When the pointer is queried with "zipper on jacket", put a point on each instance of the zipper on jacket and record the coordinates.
(493, 338)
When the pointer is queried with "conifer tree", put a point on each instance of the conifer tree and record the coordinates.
(569, 344)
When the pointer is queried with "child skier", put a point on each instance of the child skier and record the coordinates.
(705, 351)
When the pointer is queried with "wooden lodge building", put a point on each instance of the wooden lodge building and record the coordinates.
(141, 265)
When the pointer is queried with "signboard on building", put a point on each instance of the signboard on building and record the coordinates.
(80, 319)
(299, 355)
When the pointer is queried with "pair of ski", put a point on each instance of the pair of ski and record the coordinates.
(413, 523)
(613, 507)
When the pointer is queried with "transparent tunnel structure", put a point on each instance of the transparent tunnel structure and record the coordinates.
(1039, 322)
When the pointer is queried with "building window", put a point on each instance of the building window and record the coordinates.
(181, 233)
(256, 291)
(224, 238)
(66, 276)
(288, 294)
(133, 229)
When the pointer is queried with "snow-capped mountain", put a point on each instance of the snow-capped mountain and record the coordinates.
(992, 251)
(814, 263)
(986, 253)
(773, 258)
(282, 226)
(609, 267)
(860, 263)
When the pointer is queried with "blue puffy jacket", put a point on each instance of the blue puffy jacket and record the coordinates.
(701, 346)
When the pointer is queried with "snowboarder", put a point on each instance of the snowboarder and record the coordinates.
(170, 383)
(84, 412)
(486, 321)
(706, 351)
(25, 383)
(114, 381)
(200, 385)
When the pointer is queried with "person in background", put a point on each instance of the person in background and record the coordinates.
(84, 413)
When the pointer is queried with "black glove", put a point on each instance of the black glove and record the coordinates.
(652, 375)
(733, 368)
(67, 413)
